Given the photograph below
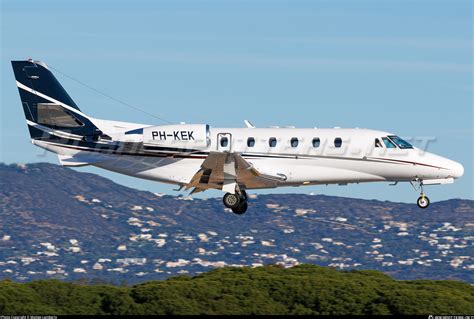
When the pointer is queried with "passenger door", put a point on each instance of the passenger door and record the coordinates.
(224, 142)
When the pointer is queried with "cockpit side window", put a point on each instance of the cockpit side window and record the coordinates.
(377, 143)
(388, 143)
(400, 142)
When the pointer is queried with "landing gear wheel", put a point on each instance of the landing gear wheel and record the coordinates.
(423, 201)
(231, 201)
(241, 209)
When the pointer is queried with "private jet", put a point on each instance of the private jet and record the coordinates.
(198, 157)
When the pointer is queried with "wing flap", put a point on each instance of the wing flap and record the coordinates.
(223, 170)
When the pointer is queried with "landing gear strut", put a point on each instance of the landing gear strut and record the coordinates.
(423, 201)
(237, 202)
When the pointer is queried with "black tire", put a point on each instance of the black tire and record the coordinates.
(231, 200)
(241, 209)
(423, 202)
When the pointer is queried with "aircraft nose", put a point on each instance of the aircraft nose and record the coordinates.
(457, 170)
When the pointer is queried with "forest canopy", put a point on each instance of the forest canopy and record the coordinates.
(304, 289)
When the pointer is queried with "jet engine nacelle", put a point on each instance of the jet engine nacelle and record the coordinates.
(184, 137)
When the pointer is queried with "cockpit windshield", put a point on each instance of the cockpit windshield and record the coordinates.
(400, 142)
(388, 143)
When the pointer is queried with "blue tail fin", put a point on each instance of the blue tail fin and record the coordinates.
(47, 105)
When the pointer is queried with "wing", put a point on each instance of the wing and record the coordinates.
(224, 170)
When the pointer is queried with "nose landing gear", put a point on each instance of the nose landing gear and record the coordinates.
(423, 201)
(237, 202)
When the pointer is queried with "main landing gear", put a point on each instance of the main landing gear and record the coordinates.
(237, 202)
(423, 201)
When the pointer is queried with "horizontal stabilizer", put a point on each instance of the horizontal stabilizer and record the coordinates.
(79, 160)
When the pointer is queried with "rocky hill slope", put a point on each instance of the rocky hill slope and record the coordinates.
(60, 223)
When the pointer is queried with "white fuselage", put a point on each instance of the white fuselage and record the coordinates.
(356, 160)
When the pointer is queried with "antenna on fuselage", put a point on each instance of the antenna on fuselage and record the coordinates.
(248, 124)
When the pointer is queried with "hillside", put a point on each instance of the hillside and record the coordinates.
(63, 224)
(303, 289)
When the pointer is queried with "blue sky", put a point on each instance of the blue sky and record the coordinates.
(398, 66)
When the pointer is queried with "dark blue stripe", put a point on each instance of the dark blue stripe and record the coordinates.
(136, 131)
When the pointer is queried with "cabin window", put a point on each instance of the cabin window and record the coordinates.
(224, 141)
(250, 142)
(337, 142)
(316, 142)
(388, 143)
(377, 143)
(294, 142)
(272, 142)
